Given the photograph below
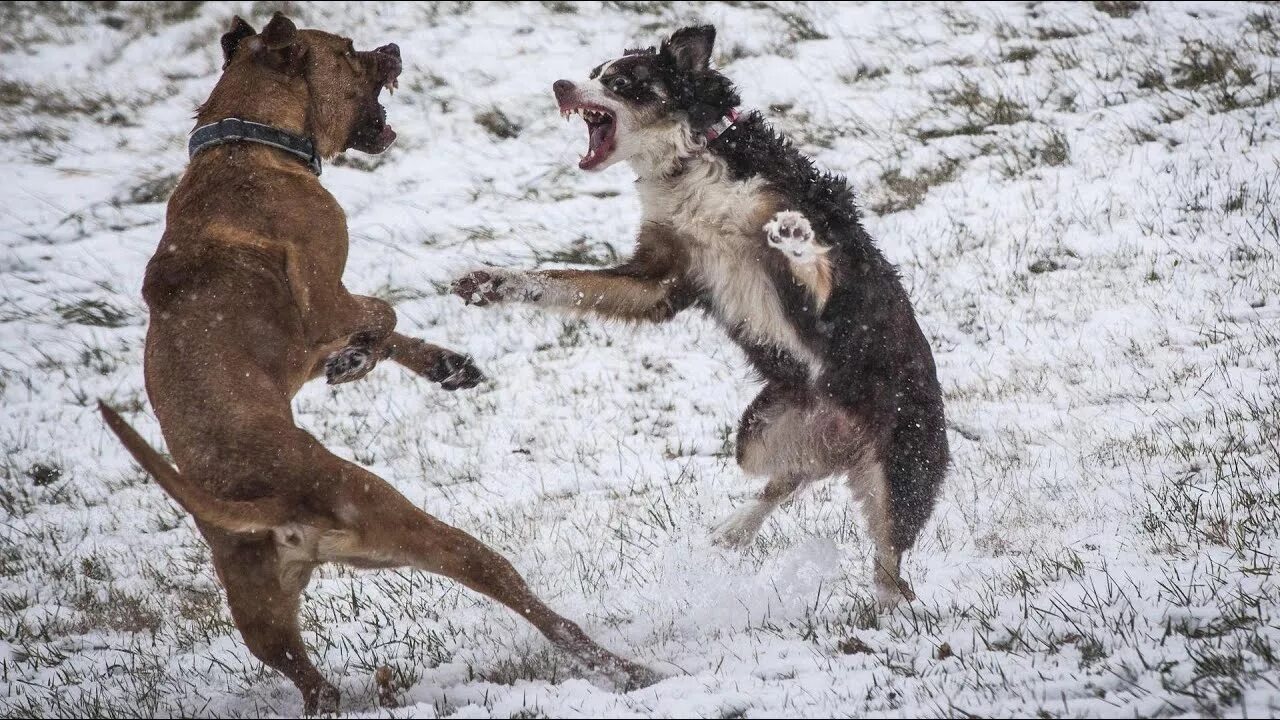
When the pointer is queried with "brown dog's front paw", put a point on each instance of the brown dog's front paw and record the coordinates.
(350, 363)
(456, 371)
(480, 287)
(321, 700)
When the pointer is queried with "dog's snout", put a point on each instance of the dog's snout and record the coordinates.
(561, 88)
(390, 49)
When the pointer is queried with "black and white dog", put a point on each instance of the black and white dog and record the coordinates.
(739, 223)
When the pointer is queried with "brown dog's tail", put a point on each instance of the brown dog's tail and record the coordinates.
(237, 516)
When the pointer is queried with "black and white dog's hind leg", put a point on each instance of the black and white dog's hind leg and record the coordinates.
(794, 439)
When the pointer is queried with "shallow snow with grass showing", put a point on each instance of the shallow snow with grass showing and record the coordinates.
(1083, 199)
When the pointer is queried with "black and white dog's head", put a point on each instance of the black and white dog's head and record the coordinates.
(650, 107)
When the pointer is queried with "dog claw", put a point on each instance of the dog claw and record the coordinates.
(736, 531)
(322, 700)
(350, 363)
(891, 593)
(638, 676)
(455, 371)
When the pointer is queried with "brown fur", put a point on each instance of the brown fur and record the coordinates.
(247, 304)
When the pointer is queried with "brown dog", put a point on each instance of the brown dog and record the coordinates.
(247, 304)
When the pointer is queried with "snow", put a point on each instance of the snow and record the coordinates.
(1094, 256)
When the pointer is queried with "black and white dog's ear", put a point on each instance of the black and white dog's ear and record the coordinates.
(690, 48)
(232, 38)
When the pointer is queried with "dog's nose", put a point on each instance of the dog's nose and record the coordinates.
(389, 49)
(561, 88)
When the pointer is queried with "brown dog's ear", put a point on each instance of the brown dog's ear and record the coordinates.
(231, 40)
(280, 33)
(690, 47)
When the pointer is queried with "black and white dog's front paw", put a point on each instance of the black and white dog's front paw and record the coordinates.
(350, 363)
(790, 233)
(455, 371)
(485, 287)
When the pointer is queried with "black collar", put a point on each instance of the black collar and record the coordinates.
(236, 130)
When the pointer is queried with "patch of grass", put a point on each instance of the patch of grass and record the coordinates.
(95, 313)
(361, 161)
(154, 190)
(1044, 265)
(1057, 33)
(119, 611)
(572, 333)
(497, 124)
(1118, 8)
(905, 192)
(799, 27)
(541, 665)
(1152, 79)
(1051, 150)
(395, 294)
(1235, 200)
(1204, 64)
(1020, 54)
(979, 109)
(580, 252)
(51, 101)
(1264, 23)
(863, 72)
(1142, 135)
(559, 7)
(964, 129)
(644, 7)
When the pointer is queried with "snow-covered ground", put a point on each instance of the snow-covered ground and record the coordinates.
(1083, 199)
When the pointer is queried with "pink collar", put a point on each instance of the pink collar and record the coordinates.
(722, 125)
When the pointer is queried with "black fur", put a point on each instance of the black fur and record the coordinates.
(878, 361)
(688, 83)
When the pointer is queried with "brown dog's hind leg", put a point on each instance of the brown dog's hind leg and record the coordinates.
(266, 612)
(386, 528)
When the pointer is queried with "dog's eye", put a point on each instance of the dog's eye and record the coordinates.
(618, 83)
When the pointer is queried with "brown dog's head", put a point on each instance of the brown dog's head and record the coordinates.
(309, 82)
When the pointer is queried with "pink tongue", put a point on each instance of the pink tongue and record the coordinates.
(596, 135)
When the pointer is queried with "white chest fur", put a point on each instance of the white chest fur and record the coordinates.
(716, 216)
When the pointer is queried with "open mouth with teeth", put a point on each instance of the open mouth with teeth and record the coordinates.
(373, 134)
(601, 133)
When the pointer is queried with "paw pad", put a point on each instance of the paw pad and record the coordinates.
(350, 363)
(790, 233)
